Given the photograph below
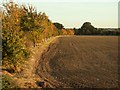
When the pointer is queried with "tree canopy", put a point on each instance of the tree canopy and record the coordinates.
(87, 28)
(58, 26)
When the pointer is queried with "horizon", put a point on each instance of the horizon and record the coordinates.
(73, 14)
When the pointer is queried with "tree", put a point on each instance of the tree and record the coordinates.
(58, 26)
(87, 28)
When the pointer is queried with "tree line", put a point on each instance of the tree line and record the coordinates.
(88, 29)
(22, 28)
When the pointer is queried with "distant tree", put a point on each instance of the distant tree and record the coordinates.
(87, 25)
(87, 28)
(58, 26)
(76, 31)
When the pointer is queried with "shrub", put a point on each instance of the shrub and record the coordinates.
(7, 82)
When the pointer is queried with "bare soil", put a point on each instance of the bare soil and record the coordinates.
(81, 61)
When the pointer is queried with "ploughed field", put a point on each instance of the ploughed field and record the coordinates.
(81, 61)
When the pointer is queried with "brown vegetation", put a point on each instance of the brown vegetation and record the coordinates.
(67, 31)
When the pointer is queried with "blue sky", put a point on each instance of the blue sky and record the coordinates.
(73, 13)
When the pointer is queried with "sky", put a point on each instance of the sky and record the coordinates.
(73, 13)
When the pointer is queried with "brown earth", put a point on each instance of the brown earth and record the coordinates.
(81, 61)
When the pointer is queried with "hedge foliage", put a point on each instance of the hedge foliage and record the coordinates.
(22, 24)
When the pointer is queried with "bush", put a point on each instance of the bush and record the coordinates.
(14, 50)
(17, 21)
(7, 83)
